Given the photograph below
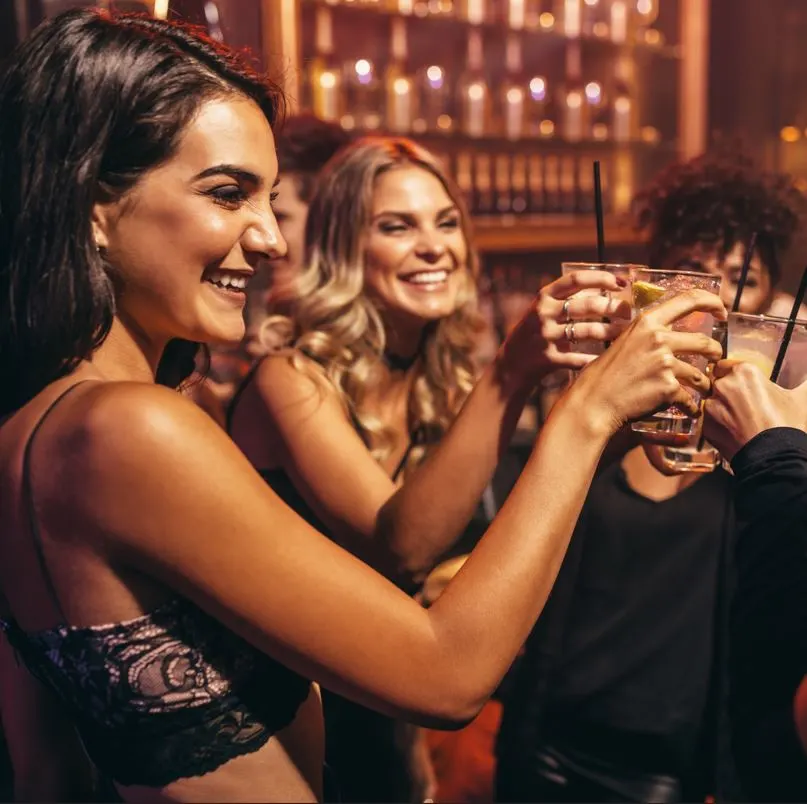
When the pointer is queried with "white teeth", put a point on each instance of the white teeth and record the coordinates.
(226, 280)
(427, 277)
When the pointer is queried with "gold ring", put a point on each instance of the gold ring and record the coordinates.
(569, 332)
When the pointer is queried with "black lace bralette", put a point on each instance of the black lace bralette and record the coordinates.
(168, 695)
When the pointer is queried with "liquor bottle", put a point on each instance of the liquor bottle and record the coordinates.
(552, 184)
(624, 123)
(520, 14)
(519, 185)
(399, 85)
(619, 21)
(598, 111)
(574, 109)
(465, 179)
(473, 90)
(404, 7)
(483, 185)
(434, 111)
(503, 184)
(569, 16)
(567, 184)
(585, 185)
(363, 93)
(536, 187)
(324, 82)
(646, 12)
(513, 96)
(476, 12)
(594, 18)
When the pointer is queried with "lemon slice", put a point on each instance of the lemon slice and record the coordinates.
(764, 364)
(645, 293)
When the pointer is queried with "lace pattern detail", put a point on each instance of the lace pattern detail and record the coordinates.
(175, 674)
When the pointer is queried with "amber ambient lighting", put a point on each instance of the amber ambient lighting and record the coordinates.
(790, 134)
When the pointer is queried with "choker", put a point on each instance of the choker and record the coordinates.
(397, 363)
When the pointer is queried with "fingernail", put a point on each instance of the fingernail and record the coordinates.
(621, 281)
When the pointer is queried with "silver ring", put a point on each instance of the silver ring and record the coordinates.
(565, 318)
(569, 332)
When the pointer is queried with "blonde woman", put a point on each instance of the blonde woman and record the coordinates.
(380, 361)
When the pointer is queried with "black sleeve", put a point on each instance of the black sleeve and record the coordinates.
(768, 650)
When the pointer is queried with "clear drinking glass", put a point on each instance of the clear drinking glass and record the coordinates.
(651, 288)
(754, 339)
(757, 338)
(622, 270)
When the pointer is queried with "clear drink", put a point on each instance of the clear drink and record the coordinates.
(651, 288)
(753, 339)
(622, 270)
(756, 339)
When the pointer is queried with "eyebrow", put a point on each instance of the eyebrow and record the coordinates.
(233, 171)
(409, 215)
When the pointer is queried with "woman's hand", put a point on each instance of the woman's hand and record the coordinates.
(745, 403)
(640, 372)
(544, 340)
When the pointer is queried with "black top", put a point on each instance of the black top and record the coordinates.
(768, 656)
(164, 696)
(629, 676)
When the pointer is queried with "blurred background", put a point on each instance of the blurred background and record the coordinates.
(518, 97)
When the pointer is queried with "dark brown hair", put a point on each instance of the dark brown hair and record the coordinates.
(89, 103)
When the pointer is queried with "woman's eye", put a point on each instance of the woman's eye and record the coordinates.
(451, 223)
(392, 228)
(230, 196)
(273, 196)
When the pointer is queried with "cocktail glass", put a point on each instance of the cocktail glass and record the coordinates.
(651, 288)
(623, 271)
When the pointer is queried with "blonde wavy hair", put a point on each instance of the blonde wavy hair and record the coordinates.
(334, 329)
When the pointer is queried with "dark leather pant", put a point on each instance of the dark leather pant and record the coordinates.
(550, 776)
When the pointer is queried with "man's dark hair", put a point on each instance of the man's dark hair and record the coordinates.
(304, 144)
(718, 200)
(89, 103)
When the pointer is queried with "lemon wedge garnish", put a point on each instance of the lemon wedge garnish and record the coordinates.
(764, 364)
(645, 293)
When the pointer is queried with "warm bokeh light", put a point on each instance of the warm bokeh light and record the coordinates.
(790, 134)
(160, 9)
(547, 20)
(363, 68)
(593, 92)
(327, 80)
(644, 7)
(400, 86)
(434, 75)
(650, 134)
(444, 122)
(652, 36)
(599, 131)
(546, 128)
(538, 88)
(476, 91)
(574, 100)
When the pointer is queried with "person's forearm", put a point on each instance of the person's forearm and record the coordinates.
(430, 511)
(487, 612)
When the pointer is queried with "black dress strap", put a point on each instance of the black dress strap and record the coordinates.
(28, 495)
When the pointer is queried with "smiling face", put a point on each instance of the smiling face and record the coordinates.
(415, 250)
(758, 288)
(183, 243)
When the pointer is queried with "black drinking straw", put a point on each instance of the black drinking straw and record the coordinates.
(598, 213)
(749, 255)
(791, 324)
